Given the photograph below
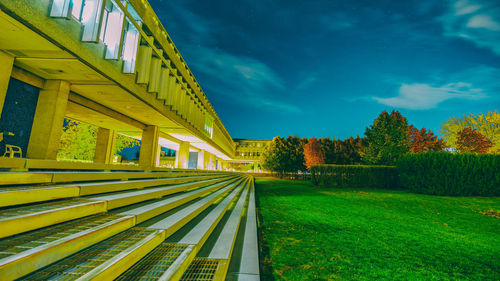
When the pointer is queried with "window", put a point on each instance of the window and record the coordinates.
(208, 126)
(111, 29)
(76, 12)
(130, 44)
(60, 8)
(130, 41)
(90, 19)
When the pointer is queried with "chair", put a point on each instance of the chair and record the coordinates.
(11, 150)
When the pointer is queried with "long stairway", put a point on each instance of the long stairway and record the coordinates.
(127, 225)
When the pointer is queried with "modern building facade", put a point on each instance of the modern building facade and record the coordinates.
(107, 63)
(248, 154)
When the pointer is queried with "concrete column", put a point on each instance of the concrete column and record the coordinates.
(201, 160)
(6, 63)
(148, 155)
(105, 146)
(48, 121)
(182, 158)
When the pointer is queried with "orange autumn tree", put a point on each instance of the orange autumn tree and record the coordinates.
(470, 140)
(313, 154)
(424, 140)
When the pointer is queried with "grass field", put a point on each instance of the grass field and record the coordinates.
(313, 233)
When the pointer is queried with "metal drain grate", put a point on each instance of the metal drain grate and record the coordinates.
(26, 241)
(201, 270)
(79, 264)
(154, 264)
(19, 211)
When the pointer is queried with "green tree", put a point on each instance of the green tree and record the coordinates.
(78, 141)
(488, 125)
(387, 139)
(284, 156)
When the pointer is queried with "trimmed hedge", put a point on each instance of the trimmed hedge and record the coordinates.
(355, 176)
(456, 174)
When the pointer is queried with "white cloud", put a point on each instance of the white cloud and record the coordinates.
(242, 79)
(425, 96)
(483, 21)
(477, 21)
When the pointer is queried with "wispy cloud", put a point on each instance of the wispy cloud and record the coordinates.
(424, 96)
(242, 79)
(478, 83)
(477, 21)
(305, 83)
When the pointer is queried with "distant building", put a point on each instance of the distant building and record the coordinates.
(248, 153)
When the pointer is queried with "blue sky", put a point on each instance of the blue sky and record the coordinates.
(328, 68)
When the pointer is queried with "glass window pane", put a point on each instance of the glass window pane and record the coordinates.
(130, 43)
(91, 17)
(60, 8)
(113, 32)
(77, 9)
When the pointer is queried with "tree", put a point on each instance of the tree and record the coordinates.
(488, 125)
(424, 140)
(284, 155)
(388, 139)
(344, 152)
(470, 140)
(78, 141)
(313, 154)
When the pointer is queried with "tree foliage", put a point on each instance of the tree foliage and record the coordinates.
(78, 141)
(388, 139)
(424, 140)
(488, 125)
(284, 155)
(313, 154)
(343, 152)
(470, 140)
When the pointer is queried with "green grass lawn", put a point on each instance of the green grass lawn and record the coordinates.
(313, 233)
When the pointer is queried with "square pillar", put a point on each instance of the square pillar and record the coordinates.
(105, 146)
(6, 63)
(48, 121)
(182, 159)
(201, 160)
(149, 154)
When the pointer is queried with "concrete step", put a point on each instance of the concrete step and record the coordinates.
(18, 195)
(190, 239)
(150, 209)
(216, 253)
(173, 220)
(52, 177)
(26, 218)
(105, 260)
(244, 265)
(25, 253)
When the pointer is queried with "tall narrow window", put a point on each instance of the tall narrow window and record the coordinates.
(77, 9)
(209, 126)
(111, 30)
(60, 8)
(130, 44)
(91, 18)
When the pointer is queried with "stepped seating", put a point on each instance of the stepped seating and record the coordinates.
(125, 226)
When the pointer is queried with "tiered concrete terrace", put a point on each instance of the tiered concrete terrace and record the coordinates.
(111, 64)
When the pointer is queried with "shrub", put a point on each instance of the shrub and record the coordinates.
(355, 176)
(442, 173)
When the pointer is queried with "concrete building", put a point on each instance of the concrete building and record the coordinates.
(248, 153)
(107, 63)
